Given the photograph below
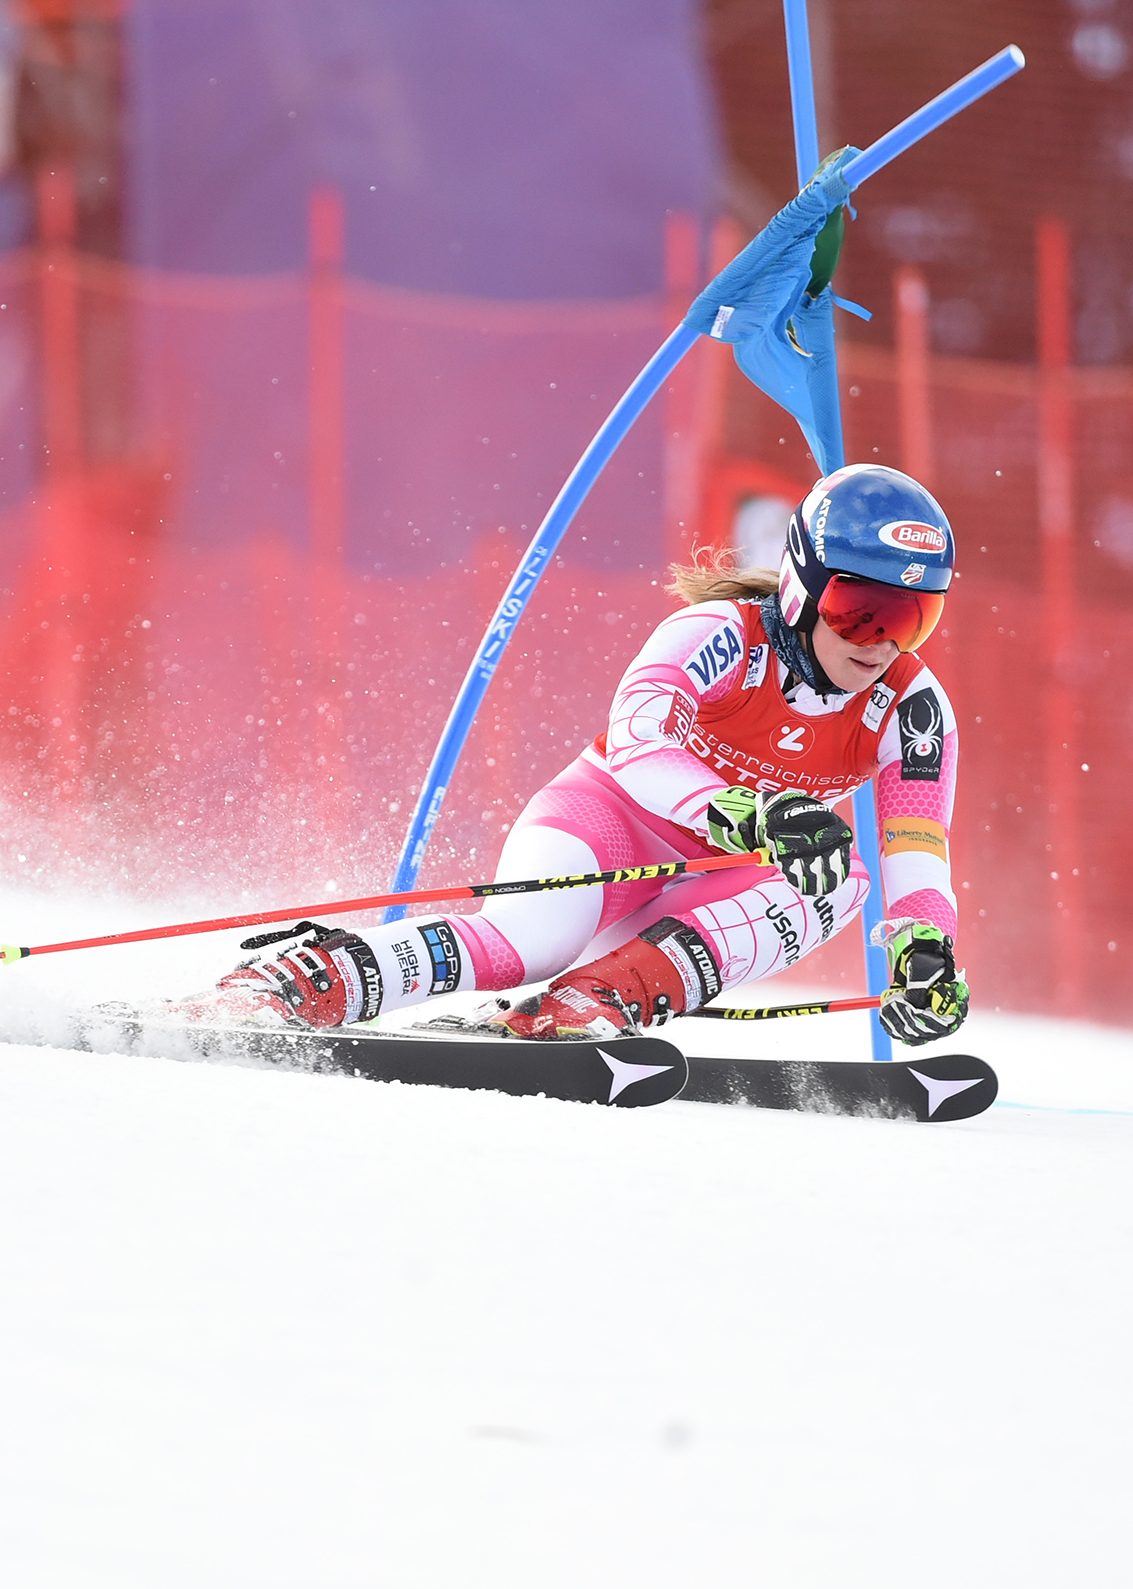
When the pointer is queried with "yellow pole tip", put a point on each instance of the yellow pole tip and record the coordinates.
(10, 952)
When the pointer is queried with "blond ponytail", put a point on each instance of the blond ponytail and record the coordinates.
(717, 575)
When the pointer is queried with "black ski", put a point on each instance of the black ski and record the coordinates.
(945, 1087)
(625, 1071)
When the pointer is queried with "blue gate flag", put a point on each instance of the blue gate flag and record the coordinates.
(782, 337)
(777, 266)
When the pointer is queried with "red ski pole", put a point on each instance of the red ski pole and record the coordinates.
(421, 896)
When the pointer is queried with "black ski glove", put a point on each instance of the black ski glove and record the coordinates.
(928, 998)
(810, 842)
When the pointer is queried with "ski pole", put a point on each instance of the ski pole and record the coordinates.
(771, 1012)
(422, 896)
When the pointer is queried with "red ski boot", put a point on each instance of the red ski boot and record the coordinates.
(666, 971)
(319, 977)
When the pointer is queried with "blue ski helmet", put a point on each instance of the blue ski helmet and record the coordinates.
(869, 522)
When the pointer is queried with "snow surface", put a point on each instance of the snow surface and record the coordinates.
(274, 1330)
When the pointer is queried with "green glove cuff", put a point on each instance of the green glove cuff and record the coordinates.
(735, 805)
(906, 937)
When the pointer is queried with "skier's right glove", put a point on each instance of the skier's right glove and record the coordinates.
(927, 998)
(810, 842)
(321, 977)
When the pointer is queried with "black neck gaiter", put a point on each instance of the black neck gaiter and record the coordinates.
(788, 646)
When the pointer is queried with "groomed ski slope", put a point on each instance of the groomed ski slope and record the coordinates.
(279, 1330)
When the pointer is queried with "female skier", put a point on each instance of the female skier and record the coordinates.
(746, 716)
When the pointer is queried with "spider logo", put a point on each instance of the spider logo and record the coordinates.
(925, 741)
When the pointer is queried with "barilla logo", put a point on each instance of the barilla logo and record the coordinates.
(907, 535)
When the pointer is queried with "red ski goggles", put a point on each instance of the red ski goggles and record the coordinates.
(865, 613)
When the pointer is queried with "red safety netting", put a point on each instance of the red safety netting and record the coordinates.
(234, 623)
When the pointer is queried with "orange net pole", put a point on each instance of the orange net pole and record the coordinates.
(1062, 779)
(914, 415)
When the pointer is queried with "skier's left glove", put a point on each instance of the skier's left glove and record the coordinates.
(810, 842)
(927, 997)
(321, 977)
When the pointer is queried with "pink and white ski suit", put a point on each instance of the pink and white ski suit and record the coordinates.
(701, 707)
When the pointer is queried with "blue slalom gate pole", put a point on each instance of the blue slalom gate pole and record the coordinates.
(554, 526)
(582, 477)
(985, 77)
(800, 75)
(805, 123)
(995, 70)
